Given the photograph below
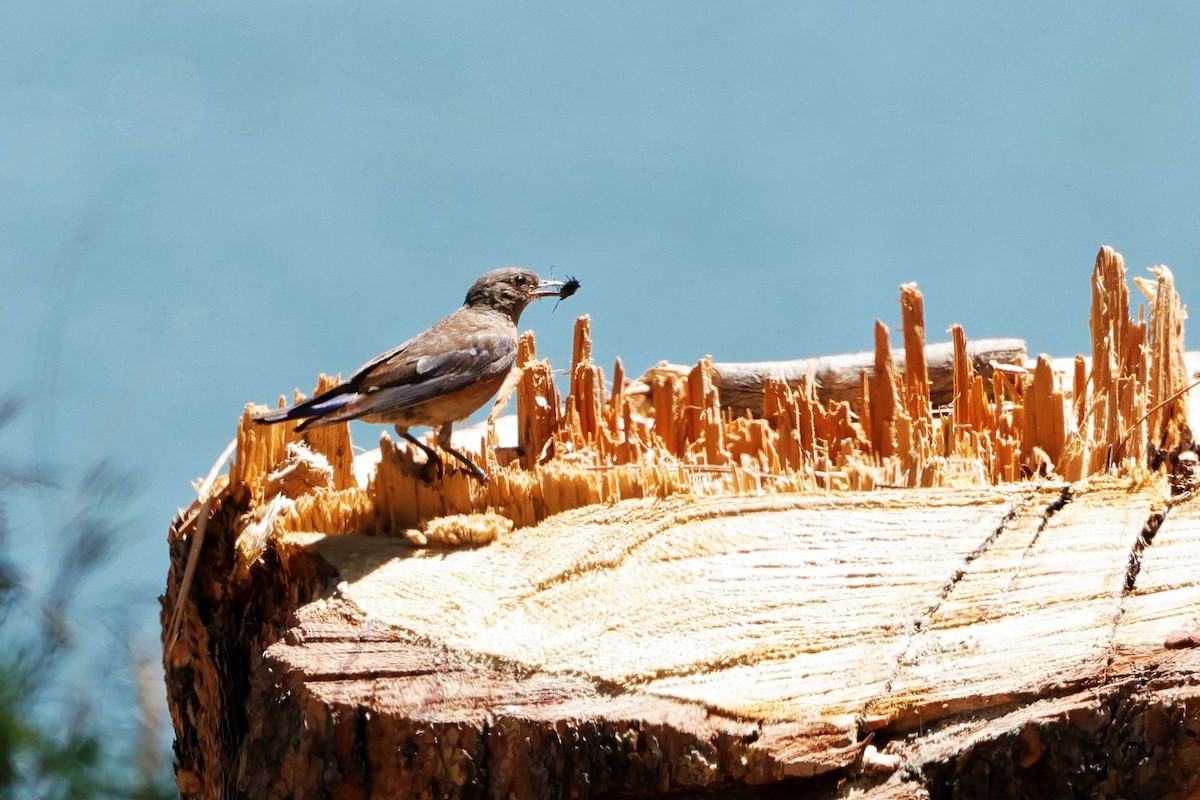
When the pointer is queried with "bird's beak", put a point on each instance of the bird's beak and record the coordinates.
(548, 289)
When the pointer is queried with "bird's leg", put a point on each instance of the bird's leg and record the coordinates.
(433, 468)
(444, 441)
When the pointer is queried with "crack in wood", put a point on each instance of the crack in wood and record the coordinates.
(1153, 523)
(1068, 494)
(1134, 567)
(1014, 513)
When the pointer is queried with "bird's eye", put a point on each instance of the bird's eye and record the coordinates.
(519, 280)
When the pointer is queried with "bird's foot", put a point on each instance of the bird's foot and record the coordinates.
(434, 468)
(476, 473)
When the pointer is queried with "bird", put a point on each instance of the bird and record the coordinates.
(443, 374)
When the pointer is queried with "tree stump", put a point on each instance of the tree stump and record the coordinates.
(866, 598)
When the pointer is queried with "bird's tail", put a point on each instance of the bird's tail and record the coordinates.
(312, 411)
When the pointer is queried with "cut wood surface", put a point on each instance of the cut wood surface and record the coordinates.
(659, 596)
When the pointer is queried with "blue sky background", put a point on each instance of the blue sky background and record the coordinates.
(208, 204)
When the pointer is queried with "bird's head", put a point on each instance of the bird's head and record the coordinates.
(510, 289)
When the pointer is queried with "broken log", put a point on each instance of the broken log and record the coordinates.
(839, 378)
(1000, 601)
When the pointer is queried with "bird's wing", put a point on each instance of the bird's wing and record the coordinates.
(418, 371)
(443, 360)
